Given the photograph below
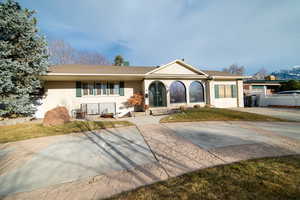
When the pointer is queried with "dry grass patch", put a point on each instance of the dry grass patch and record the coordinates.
(31, 130)
(217, 114)
(261, 179)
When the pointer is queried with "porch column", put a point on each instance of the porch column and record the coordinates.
(145, 90)
(187, 93)
(210, 92)
(167, 85)
(240, 93)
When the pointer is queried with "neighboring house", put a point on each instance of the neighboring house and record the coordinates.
(167, 86)
(258, 87)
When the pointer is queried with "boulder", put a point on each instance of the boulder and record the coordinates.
(56, 116)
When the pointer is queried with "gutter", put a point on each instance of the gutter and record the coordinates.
(230, 77)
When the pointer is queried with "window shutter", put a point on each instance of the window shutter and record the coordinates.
(217, 91)
(234, 91)
(122, 88)
(78, 89)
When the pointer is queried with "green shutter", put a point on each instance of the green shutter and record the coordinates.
(122, 88)
(78, 89)
(217, 91)
(233, 91)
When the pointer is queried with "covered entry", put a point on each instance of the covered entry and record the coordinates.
(157, 94)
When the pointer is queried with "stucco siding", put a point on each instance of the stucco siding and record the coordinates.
(63, 93)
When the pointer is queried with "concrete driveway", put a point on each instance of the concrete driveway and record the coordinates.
(100, 164)
(70, 157)
(283, 113)
(210, 135)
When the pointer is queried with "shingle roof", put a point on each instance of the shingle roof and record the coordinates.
(108, 69)
(218, 73)
(98, 69)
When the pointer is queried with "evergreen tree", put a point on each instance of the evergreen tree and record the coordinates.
(23, 58)
(119, 61)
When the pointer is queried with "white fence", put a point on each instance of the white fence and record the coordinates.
(279, 100)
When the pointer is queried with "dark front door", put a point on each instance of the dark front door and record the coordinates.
(157, 94)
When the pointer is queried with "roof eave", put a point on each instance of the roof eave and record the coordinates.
(77, 74)
(230, 77)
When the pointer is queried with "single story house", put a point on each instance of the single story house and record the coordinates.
(261, 87)
(107, 88)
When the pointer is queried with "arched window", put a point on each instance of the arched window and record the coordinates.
(196, 92)
(177, 92)
(157, 94)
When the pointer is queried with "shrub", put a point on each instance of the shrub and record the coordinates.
(136, 100)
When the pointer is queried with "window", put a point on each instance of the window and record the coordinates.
(88, 88)
(177, 92)
(91, 88)
(101, 88)
(116, 88)
(228, 91)
(225, 91)
(196, 92)
(104, 88)
(85, 89)
(258, 88)
(111, 88)
(98, 88)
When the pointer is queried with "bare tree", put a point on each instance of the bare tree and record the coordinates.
(91, 58)
(62, 52)
(261, 74)
(235, 69)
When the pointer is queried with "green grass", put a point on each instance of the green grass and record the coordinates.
(216, 114)
(31, 130)
(262, 179)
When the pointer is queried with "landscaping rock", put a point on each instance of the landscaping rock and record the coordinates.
(56, 116)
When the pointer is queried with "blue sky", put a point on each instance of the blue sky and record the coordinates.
(209, 34)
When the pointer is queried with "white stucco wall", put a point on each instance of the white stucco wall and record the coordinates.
(63, 93)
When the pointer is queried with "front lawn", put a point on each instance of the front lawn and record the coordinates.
(262, 179)
(216, 114)
(31, 130)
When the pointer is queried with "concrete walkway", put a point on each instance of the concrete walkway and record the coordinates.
(292, 114)
(159, 152)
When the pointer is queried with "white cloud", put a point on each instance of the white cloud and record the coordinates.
(206, 33)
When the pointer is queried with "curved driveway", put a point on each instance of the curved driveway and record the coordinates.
(99, 164)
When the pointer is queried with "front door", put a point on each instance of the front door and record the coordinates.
(157, 94)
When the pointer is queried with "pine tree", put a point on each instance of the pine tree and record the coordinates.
(118, 60)
(23, 58)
